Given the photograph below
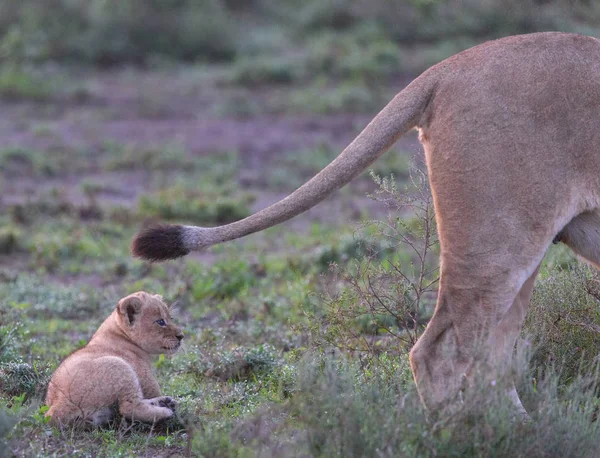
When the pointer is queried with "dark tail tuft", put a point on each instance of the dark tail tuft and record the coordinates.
(159, 243)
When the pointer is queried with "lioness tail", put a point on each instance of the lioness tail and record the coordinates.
(162, 242)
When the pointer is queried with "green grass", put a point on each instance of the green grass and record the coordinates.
(288, 352)
(181, 203)
(271, 365)
(18, 84)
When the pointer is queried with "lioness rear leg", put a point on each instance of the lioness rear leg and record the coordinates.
(476, 321)
(506, 333)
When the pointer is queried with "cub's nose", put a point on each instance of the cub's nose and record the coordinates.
(180, 336)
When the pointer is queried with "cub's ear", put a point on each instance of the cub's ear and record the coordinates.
(130, 307)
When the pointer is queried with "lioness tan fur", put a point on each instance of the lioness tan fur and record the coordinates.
(116, 366)
(511, 132)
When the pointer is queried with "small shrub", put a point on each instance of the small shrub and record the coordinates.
(10, 240)
(8, 340)
(351, 248)
(179, 203)
(19, 378)
(382, 300)
(323, 98)
(123, 157)
(266, 70)
(31, 162)
(18, 84)
(37, 298)
(333, 14)
(76, 249)
(242, 363)
(361, 55)
(563, 321)
(223, 281)
(342, 409)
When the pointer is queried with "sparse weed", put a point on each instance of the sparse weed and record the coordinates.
(11, 240)
(296, 341)
(266, 70)
(193, 205)
(341, 409)
(384, 299)
(563, 323)
(19, 378)
(225, 280)
(124, 157)
(323, 97)
(32, 297)
(18, 84)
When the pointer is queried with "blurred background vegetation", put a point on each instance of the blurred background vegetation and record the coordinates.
(105, 32)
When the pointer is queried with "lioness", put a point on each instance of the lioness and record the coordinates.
(511, 131)
(116, 366)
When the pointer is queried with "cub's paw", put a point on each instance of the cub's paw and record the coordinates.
(165, 401)
(162, 414)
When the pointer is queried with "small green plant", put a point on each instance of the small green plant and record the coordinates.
(385, 298)
(225, 280)
(563, 321)
(180, 203)
(20, 378)
(124, 157)
(8, 335)
(323, 97)
(243, 363)
(18, 84)
(10, 240)
(352, 249)
(343, 408)
(360, 55)
(266, 70)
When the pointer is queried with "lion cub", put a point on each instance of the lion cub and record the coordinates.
(116, 366)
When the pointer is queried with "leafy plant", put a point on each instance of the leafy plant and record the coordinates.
(385, 299)
(563, 322)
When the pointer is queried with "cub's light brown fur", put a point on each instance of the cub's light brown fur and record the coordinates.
(511, 131)
(116, 366)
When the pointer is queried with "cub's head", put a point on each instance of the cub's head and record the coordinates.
(146, 320)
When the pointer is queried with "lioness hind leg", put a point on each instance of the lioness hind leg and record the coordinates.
(506, 333)
(582, 235)
(477, 318)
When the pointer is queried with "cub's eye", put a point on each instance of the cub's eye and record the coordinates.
(161, 322)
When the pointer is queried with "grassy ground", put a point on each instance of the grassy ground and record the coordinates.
(79, 177)
(297, 338)
(284, 355)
